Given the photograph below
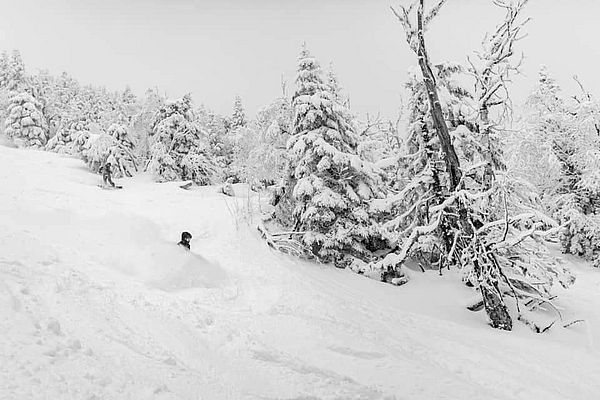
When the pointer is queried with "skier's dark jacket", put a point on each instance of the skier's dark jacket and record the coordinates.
(106, 172)
(184, 244)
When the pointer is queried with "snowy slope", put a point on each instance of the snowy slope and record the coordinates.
(96, 302)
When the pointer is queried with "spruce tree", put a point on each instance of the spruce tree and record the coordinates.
(4, 70)
(16, 80)
(61, 142)
(238, 119)
(25, 122)
(179, 151)
(328, 186)
(562, 134)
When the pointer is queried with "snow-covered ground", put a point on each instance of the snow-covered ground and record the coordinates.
(96, 302)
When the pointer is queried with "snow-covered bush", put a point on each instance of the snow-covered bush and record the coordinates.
(581, 235)
(25, 122)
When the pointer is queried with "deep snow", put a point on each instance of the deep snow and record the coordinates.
(96, 302)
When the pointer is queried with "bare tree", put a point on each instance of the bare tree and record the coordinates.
(415, 36)
(485, 265)
(492, 68)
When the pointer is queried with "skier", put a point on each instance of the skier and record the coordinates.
(106, 175)
(185, 240)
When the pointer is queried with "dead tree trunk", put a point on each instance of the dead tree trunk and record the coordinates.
(492, 299)
(451, 159)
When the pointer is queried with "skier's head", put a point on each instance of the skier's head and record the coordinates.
(186, 236)
(107, 164)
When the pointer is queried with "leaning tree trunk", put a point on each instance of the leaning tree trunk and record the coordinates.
(451, 159)
(485, 131)
(492, 298)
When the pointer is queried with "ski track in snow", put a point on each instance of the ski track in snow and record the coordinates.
(96, 302)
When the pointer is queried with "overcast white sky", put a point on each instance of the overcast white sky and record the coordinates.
(219, 48)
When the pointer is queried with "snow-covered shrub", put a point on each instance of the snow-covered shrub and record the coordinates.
(25, 122)
(581, 234)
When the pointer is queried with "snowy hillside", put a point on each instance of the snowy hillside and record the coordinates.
(96, 302)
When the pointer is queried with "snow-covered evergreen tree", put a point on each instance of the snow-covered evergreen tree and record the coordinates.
(335, 88)
(559, 152)
(179, 151)
(61, 142)
(25, 123)
(4, 70)
(114, 146)
(122, 154)
(327, 185)
(220, 141)
(16, 80)
(142, 122)
(238, 119)
(260, 148)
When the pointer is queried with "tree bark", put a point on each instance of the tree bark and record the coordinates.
(495, 307)
(484, 130)
(450, 157)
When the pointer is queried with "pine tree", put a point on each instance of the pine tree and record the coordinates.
(327, 184)
(562, 135)
(4, 70)
(122, 154)
(335, 88)
(179, 151)
(261, 156)
(142, 122)
(220, 142)
(43, 87)
(16, 80)
(238, 119)
(25, 122)
(61, 142)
